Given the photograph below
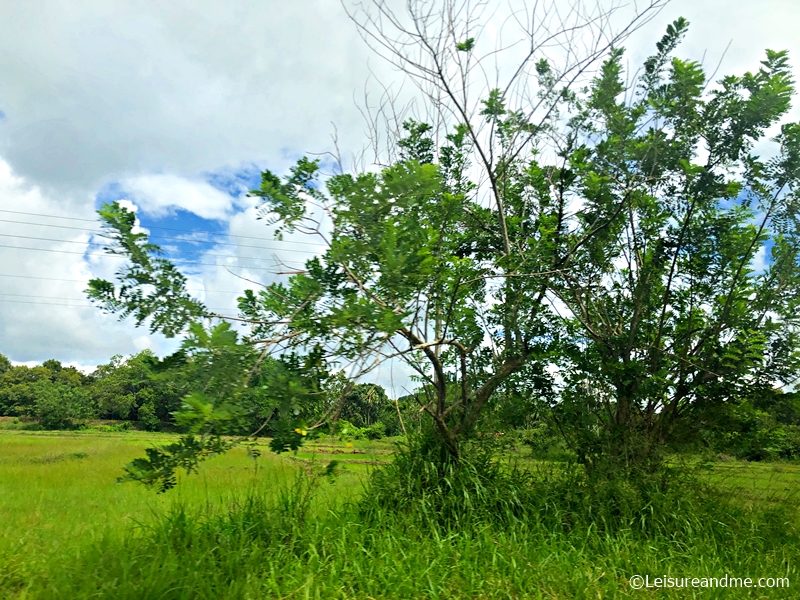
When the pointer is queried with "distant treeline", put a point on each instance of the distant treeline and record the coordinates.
(143, 391)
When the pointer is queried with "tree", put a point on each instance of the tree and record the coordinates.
(53, 365)
(225, 386)
(17, 395)
(50, 393)
(5, 364)
(425, 264)
(671, 308)
(445, 258)
(561, 189)
(364, 404)
(57, 405)
(123, 386)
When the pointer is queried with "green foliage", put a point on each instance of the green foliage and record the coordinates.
(57, 405)
(671, 311)
(148, 416)
(364, 404)
(418, 145)
(227, 388)
(376, 431)
(123, 388)
(158, 469)
(5, 364)
(614, 239)
(544, 441)
(54, 395)
(249, 548)
(466, 46)
(53, 365)
(424, 479)
(150, 287)
(396, 233)
(762, 427)
(243, 534)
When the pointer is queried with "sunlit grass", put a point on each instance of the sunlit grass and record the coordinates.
(59, 488)
(754, 483)
(68, 530)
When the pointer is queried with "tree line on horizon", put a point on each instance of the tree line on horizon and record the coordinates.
(139, 392)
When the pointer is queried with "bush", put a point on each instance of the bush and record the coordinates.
(425, 481)
(346, 431)
(112, 428)
(427, 485)
(777, 442)
(376, 431)
(56, 405)
(148, 417)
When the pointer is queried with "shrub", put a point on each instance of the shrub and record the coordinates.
(376, 431)
(425, 481)
(148, 417)
(57, 405)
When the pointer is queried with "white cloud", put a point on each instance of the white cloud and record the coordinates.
(44, 312)
(160, 195)
(761, 260)
(95, 91)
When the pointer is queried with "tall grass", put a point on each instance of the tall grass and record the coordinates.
(423, 529)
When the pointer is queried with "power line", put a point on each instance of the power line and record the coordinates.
(173, 239)
(19, 212)
(244, 237)
(185, 262)
(43, 278)
(37, 297)
(72, 305)
(41, 239)
(85, 281)
(45, 297)
(46, 303)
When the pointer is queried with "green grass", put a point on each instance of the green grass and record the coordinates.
(67, 530)
(758, 483)
(59, 490)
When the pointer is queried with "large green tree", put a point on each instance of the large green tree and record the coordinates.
(52, 394)
(5, 364)
(563, 212)
(689, 296)
(444, 258)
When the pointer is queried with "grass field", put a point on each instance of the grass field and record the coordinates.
(59, 488)
(67, 530)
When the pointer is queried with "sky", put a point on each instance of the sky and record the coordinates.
(176, 107)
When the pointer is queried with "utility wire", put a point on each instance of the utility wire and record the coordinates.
(46, 303)
(69, 305)
(84, 281)
(30, 214)
(43, 278)
(173, 239)
(185, 262)
(41, 239)
(37, 297)
(244, 237)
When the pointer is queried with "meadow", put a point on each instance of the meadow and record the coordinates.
(278, 528)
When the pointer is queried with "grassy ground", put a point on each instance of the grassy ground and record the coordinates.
(59, 490)
(67, 530)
